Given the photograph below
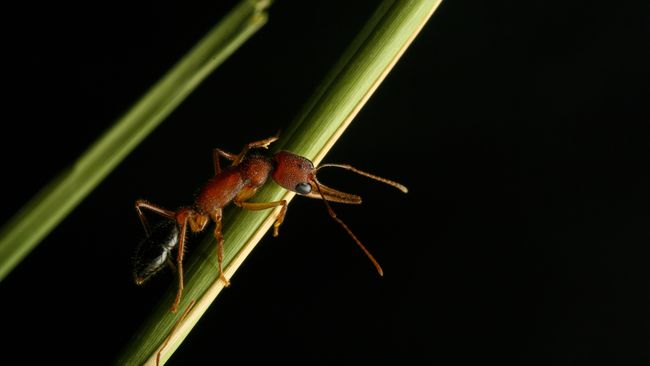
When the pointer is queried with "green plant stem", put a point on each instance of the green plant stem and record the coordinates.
(346, 89)
(49, 206)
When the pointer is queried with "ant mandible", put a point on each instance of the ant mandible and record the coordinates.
(250, 169)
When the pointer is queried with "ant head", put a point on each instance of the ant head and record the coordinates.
(293, 172)
(297, 174)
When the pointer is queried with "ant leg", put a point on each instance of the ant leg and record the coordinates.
(215, 158)
(332, 214)
(256, 206)
(237, 158)
(252, 145)
(171, 332)
(248, 192)
(171, 264)
(182, 218)
(216, 217)
(140, 204)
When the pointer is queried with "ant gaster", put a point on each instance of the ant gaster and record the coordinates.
(249, 170)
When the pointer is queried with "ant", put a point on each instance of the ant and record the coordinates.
(249, 170)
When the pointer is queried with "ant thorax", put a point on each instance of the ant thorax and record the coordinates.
(257, 167)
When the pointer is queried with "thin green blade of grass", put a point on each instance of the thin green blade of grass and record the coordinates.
(326, 115)
(49, 206)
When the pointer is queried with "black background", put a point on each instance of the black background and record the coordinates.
(519, 127)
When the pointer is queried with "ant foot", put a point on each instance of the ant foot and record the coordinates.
(276, 228)
(226, 282)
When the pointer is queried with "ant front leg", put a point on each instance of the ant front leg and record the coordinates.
(247, 193)
(256, 206)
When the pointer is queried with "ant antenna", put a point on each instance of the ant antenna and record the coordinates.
(360, 172)
(333, 215)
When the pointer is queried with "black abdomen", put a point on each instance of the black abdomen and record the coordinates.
(152, 253)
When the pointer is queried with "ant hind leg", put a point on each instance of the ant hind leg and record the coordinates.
(141, 204)
(182, 219)
(219, 236)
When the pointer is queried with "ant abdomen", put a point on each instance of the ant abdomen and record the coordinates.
(152, 253)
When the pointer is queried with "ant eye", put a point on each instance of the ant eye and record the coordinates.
(303, 188)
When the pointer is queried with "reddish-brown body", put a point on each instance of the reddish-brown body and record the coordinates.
(219, 191)
(225, 187)
(239, 182)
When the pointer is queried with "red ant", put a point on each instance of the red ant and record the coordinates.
(249, 170)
